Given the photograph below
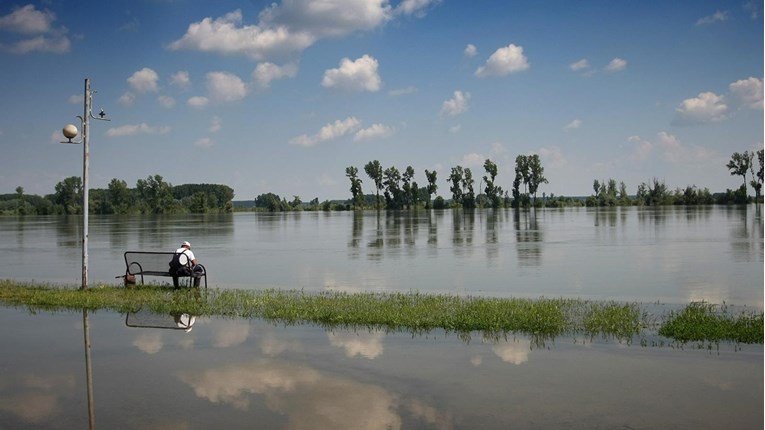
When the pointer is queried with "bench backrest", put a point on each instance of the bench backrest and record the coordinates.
(141, 262)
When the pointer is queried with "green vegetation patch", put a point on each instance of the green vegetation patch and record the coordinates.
(701, 321)
(542, 318)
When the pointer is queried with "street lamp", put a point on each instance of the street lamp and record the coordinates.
(70, 132)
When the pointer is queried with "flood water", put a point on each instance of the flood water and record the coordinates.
(672, 255)
(151, 372)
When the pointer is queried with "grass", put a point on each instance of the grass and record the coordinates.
(543, 318)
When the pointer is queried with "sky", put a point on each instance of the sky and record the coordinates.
(280, 97)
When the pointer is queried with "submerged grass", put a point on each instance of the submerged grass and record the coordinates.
(543, 318)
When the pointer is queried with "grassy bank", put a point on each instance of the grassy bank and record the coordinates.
(543, 318)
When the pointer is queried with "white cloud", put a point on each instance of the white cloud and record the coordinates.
(132, 130)
(358, 75)
(582, 64)
(76, 99)
(368, 345)
(718, 16)
(749, 92)
(36, 30)
(415, 7)
(472, 160)
(470, 51)
(616, 65)
(456, 105)
(181, 79)
(226, 35)
(198, 102)
(403, 91)
(328, 18)
(28, 20)
(225, 87)
(144, 80)
(642, 148)
(553, 156)
(166, 102)
(455, 129)
(504, 61)
(215, 124)
(671, 150)
(204, 142)
(372, 132)
(265, 73)
(127, 99)
(706, 107)
(329, 132)
(573, 125)
(498, 148)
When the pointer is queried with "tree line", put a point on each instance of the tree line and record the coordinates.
(152, 195)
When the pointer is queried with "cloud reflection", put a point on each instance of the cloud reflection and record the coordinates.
(307, 398)
(366, 344)
(516, 352)
(149, 342)
(227, 333)
(33, 399)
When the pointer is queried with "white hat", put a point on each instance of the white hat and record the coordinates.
(185, 244)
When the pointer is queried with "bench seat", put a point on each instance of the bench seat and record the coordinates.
(148, 263)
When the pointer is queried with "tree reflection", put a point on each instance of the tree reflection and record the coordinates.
(528, 237)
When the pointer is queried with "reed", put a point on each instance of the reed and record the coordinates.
(542, 318)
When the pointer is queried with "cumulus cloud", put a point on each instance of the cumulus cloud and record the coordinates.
(289, 27)
(127, 99)
(642, 149)
(225, 87)
(267, 72)
(181, 79)
(470, 51)
(198, 102)
(204, 142)
(616, 65)
(226, 35)
(36, 31)
(748, 92)
(328, 18)
(582, 64)
(132, 130)
(166, 102)
(358, 75)
(705, 108)
(553, 156)
(718, 16)
(144, 81)
(373, 132)
(573, 125)
(671, 150)
(456, 105)
(329, 132)
(472, 160)
(504, 61)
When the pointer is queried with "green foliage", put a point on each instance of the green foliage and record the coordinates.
(701, 321)
(542, 318)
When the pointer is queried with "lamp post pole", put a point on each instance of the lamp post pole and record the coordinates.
(70, 131)
(85, 183)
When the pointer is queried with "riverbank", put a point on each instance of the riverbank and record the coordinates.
(543, 318)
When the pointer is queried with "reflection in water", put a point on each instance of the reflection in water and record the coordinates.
(305, 396)
(298, 377)
(88, 370)
(528, 237)
(745, 230)
(365, 344)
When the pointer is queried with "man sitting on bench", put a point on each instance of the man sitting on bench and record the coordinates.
(187, 256)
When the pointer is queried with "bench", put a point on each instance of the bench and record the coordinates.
(143, 263)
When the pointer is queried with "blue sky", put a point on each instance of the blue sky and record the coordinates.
(282, 97)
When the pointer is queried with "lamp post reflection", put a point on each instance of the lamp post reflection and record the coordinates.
(88, 370)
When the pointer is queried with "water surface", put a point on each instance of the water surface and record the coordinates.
(667, 254)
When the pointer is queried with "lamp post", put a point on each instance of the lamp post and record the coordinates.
(70, 131)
